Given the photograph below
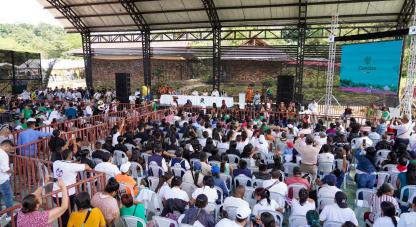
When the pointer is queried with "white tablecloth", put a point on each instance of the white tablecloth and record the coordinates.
(196, 100)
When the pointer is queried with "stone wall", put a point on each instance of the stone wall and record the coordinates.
(241, 72)
(249, 71)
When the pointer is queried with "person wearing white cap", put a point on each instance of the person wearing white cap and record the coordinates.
(241, 218)
(262, 145)
(124, 178)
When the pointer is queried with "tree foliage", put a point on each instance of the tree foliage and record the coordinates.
(49, 40)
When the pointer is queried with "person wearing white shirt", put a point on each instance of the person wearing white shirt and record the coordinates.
(388, 216)
(6, 147)
(313, 108)
(328, 189)
(404, 129)
(359, 142)
(262, 145)
(107, 167)
(176, 192)
(224, 145)
(68, 172)
(241, 218)
(215, 93)
(54, 114)
(275, 185)
(303, 205)
(163, 187)
(408, 219)
(264, 202)
(88, 110)
(325, 155)
(208, 190)
(338, 211)
(237, 200)
(321, 138)
(132, 99)
(374, 136)
(194, 93)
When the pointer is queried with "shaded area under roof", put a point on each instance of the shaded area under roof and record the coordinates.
(110, 15)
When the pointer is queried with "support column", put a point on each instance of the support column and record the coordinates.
(298, 95)
(216, 58)
(87, 53)
(147, 72)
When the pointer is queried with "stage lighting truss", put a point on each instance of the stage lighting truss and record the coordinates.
(331, 66)
(407, 101)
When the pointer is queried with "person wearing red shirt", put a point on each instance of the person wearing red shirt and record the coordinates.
(296, 179)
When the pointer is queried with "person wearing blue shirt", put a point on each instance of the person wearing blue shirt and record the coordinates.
(71, 112)
(219, 182)
(242, 169)
(365, 172)
(382, 127)
(29, 136)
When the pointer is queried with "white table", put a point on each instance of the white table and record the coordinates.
(196, 100)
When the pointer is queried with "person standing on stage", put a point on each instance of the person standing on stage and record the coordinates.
(313, 107)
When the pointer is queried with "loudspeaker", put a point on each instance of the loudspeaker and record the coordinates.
(285, 85)
(123, 87)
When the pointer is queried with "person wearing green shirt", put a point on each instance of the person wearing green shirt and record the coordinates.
(130, 209)
(386, 114)
(27, 112)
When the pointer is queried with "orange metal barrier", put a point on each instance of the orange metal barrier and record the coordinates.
(30, 173)
(83, 122)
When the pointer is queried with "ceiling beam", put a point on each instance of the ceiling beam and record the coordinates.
(98, 3)
(222, 8)
(70, 15)
(266, 19)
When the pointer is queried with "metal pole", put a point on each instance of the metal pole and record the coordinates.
(86, 50)
(331, 65)
(147, 73)
(297, 95)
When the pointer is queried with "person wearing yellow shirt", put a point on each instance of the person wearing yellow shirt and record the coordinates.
(86, 216)
(125, 179)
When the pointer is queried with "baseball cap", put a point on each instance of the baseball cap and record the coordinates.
(197, 165)
(124, 168)
(341, 199)
(290, 126)
(289, 144)
(330, 179)
(215, 169)
(31, 119)
(242, 212)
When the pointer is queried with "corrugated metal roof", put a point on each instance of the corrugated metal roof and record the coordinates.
(110, 15)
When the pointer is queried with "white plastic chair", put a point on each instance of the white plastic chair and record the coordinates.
(134, 172)
(243, 180)
(381, 178)
(227, 179)
(231, 212)
(288, 166)
(278, 217)
(214, 163)
(177, 171)
(220, 193)
(367, 196)
(145, 157)
(97, 161)
(124, 187)
(383, 153)
(188, 188)
(119, 158)
(193, 160)
(325, 168)
(295, 189)
(153, 182)
(390, 168)
(279, 198)
(411, 192)
(297, 220)
(155, 170)
(322, 201)
(248, 196)
(129, 146)
(131, 221)
(332, 224)
(164, 222)
(233, 159)
(257, 183)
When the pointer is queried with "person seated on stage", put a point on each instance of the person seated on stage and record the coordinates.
(223, 105)
(188, 103)
(347, 113)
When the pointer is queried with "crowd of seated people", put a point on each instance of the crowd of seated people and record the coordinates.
(220, 170)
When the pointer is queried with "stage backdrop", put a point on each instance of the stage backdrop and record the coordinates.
(371, 67)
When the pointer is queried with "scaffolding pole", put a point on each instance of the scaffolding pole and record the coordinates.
(331, 66)
(407, 101)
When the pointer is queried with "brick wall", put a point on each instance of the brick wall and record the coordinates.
(249, 71)
(170, 70)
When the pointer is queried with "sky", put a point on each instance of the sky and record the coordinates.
(25, 11)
